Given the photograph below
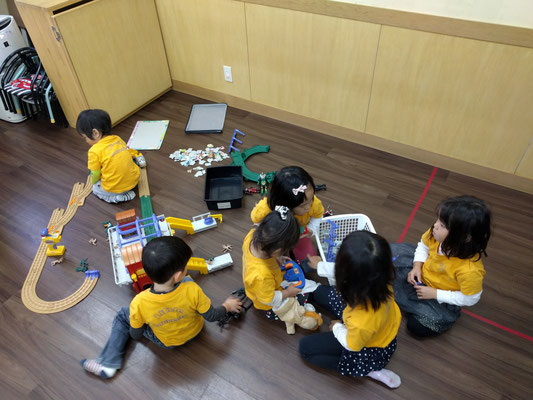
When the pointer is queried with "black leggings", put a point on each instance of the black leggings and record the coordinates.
(321, 349)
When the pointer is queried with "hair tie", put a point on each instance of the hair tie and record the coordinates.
(282, 210)
(299, 189)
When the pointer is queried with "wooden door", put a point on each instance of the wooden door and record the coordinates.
(117, 51)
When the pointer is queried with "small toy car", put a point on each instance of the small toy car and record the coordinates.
(251, 190)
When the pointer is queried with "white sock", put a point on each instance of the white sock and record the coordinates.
(98, 369)
(386, 376)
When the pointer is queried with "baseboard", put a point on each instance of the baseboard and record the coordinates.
(427, 157)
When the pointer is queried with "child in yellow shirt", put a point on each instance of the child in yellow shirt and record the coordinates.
(170, 313)
(263, 251)
(444, 272)
(363, 342)
(294, 188)
(113, 171)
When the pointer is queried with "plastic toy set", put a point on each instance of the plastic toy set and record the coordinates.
(333, 229)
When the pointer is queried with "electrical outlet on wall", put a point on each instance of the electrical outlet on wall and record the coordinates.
(227, 74)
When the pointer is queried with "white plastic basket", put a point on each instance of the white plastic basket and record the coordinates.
(346, 224)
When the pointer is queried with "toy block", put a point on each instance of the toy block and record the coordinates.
(124, 217)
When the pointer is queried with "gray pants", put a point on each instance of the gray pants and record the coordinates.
(438, 317)
(112, 197)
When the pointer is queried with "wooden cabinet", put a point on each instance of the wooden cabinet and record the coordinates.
(106, 54)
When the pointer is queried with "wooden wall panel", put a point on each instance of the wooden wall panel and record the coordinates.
(463, 98)
(117, 51)
(312, 65)
(525, 168)
(201, 36)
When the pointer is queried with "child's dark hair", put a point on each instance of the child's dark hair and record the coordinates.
(468, 221)
(162, 257)
(275, 233)
(285, 180)
(363, 270)
(93, 119)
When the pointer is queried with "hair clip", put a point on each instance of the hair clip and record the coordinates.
(300, 189)
(282, 211)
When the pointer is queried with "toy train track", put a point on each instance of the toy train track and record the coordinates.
(57, 221)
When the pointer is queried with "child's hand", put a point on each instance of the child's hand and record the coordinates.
(232, 304)
(414, 277)
(307, 233)
(282, 259)
(333, 323)
(426, 292)
(291, 291)
(313, 261)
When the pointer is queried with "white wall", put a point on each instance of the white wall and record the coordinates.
(3, 7)
(501, 12)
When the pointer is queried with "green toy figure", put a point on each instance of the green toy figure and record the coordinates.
(263, 184)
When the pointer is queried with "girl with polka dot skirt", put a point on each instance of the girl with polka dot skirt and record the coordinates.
(444, 272)
(363, 342)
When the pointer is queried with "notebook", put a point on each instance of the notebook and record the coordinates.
(148, 135)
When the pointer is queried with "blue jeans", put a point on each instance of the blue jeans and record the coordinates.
(112, 354)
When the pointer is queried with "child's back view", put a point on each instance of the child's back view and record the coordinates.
(113, 171)
(169, 314)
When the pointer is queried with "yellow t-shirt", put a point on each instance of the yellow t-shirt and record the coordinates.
(261, 277)
(369, 328)
(111, 157)
(175, 316)
(261, 210)
(441, 272)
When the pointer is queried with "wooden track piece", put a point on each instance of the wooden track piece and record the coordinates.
(57, 221)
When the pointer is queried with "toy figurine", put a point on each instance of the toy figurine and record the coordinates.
(263, 184)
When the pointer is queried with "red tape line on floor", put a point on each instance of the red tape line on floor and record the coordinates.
(471, 314)
(495, 324)
(428, 184)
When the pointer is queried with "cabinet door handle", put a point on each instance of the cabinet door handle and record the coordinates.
(56, 32)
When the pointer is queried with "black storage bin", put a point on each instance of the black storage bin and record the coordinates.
(223, 187)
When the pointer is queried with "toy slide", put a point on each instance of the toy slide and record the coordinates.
(199, 223)
(211, 264)
(180, 223)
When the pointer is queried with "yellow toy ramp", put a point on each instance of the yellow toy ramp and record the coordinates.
(180, 223)
(197, 264)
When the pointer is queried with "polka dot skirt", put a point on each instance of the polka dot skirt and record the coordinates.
(360, 363)
(336, 303)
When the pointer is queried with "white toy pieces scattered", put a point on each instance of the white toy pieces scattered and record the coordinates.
(204, 158)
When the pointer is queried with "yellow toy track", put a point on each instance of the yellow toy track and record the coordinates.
(58, 220)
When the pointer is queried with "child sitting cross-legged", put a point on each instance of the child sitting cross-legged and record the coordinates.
(264, 249)
(113, 171)
(170, 313)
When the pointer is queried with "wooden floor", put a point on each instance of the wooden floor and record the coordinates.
(252, 358)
